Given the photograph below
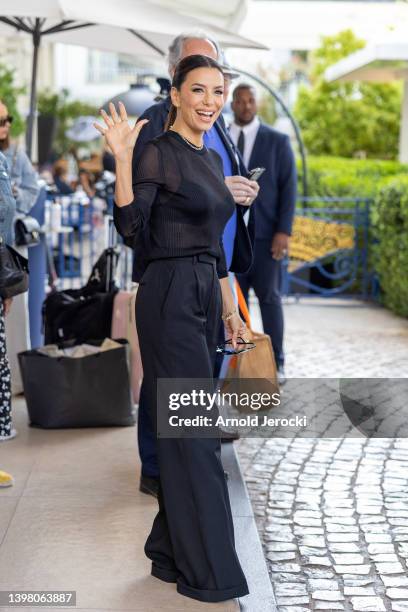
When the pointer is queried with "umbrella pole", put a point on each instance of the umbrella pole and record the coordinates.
(33, 92)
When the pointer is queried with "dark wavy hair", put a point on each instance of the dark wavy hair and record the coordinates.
(186, 65)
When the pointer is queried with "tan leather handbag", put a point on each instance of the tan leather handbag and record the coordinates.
(252, 371)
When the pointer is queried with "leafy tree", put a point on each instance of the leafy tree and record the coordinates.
(9, 94)
(347, 119)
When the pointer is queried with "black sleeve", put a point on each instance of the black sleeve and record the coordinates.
(222, 271)
(132, 219)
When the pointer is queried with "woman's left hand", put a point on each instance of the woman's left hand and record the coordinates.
(120, 137)
(7, 305)
(235, 328)
(242, 189)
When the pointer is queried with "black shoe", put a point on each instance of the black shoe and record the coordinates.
(150, 486)
(229, 436)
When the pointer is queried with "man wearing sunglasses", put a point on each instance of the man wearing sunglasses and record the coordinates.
(22, 174)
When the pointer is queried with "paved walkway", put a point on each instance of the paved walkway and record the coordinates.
(333, 513)
(75, 520)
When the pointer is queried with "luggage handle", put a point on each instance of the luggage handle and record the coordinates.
(113, 251)
(53, 279)
(131, 323)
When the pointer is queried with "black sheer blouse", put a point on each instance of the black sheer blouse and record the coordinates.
(181, 204)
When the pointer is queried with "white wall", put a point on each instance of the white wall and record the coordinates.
(71, 72)
(16, 52)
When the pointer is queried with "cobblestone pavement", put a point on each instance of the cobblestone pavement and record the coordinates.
(332, 513)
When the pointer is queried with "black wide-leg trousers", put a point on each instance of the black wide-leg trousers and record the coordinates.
(178, 310)
(265, 276)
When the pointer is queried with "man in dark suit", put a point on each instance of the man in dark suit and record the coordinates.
(237, 236)
(262, 146)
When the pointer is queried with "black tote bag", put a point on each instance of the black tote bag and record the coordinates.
(90, 391)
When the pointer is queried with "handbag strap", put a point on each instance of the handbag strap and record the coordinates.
(243, 305)
(51, 270)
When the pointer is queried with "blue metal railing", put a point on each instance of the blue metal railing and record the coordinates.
(83, 237)
(341, 271)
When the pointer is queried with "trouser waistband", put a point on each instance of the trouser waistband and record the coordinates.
(201, 257)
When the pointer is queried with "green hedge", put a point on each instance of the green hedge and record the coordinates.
(389, 218)
(386, 183)
(342, 177)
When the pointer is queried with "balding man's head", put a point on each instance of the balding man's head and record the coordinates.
(196, 43)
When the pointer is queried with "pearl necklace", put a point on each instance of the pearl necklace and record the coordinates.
(192, 145)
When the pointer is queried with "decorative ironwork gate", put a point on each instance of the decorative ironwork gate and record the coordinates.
(329, 249)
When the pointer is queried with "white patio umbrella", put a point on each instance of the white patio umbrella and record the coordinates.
(137, 27)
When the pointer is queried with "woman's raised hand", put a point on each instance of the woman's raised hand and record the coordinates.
(120, 136)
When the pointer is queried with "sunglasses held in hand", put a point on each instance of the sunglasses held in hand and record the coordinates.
(242, 347)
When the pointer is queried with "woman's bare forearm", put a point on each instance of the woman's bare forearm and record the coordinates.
(123, 187)
(228, 302)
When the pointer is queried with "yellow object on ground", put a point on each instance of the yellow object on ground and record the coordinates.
(6, 480)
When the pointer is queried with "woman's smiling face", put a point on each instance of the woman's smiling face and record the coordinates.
(200, 99)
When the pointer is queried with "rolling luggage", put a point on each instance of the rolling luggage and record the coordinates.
(124, 326)
(86, 313)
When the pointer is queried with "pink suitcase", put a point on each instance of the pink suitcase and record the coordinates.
(124, 326)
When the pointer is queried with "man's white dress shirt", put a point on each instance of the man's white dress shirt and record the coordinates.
(250, 131)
